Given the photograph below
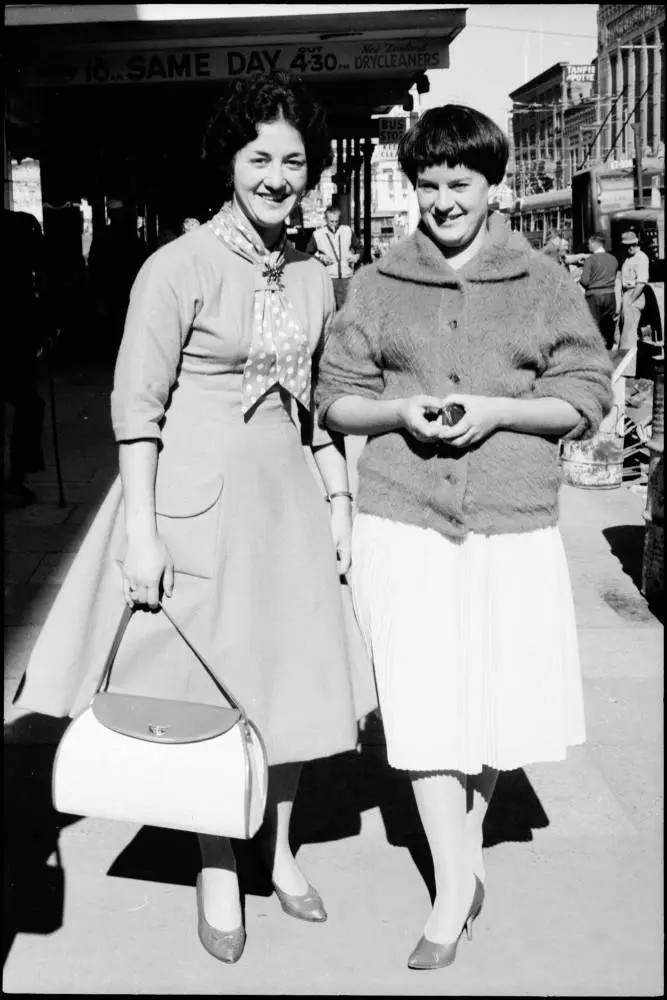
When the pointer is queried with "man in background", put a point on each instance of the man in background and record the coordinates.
(339, 249)
(598, 279)
(556, 247)
(25, 334)
(633, 280)
(116, 255)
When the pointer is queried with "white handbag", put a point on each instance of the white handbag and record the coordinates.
(161, 762)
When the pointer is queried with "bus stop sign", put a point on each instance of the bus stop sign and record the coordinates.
(391, 129)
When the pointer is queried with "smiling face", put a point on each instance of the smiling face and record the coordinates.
(453, 204)
(270, 175)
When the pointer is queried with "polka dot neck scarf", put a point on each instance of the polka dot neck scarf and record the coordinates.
(279, 351)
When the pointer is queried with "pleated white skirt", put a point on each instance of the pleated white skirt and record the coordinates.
(473, 642)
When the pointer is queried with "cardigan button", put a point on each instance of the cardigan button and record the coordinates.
(453, 377)
(453, 324)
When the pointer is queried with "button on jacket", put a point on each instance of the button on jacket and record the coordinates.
(509, 323)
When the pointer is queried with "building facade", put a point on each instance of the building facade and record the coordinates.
(391, 193)
(541, 158)
(630, 81)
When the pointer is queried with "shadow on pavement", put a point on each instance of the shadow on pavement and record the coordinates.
(334, 793)
(34, 881)
(626, 542)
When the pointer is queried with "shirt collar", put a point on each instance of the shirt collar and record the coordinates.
(418, 258)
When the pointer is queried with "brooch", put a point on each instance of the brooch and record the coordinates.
(274, 273)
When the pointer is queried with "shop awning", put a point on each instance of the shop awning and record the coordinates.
(363, 57)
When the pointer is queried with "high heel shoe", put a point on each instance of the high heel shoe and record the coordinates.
(226, 946)
(431, 955)
(307, 907)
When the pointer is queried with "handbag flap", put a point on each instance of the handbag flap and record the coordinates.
(160, 720)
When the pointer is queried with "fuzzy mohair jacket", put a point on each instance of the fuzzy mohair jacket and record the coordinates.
(509, 323)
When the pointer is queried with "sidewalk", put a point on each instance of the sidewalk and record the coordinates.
(574, 858)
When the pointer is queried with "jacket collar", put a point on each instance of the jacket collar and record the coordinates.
(417, 258)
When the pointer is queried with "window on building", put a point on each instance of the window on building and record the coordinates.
(649, 105)
(624, 144)
(660, 137)
(616, 89)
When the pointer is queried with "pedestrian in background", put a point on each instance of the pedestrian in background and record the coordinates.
(633, 279)
(555, 247)
(189, 223)
(459, 572)
(116, 254)
(217, 352)
(25, 325)
(339, 249)
(599, 281)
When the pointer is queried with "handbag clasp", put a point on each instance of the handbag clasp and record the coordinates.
(158, 730)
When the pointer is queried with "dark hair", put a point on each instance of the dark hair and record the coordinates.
(454, 135)
(599, 238)
(258, 100)
(332, 208)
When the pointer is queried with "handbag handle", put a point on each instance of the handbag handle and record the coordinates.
(120, 632)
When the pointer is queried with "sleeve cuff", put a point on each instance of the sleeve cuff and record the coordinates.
(591, 412)
(136, 432)
(326, 404)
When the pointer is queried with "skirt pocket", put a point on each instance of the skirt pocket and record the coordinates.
(192, 539)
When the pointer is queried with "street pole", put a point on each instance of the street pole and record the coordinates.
(357, 185)
(639, 176)
(368, 198)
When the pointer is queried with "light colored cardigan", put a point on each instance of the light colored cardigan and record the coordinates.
(509, 323)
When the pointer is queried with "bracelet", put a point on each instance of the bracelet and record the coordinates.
(341, 493)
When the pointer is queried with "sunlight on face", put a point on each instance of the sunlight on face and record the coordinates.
(270, 175)
(453, 203)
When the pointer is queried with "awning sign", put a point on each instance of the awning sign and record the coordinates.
(391, 130)
(377, 58)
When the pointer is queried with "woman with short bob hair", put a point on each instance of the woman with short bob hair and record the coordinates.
(463, 356)
(218, 356)
(454, 134)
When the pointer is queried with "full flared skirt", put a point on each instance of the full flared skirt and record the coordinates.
(274, 622)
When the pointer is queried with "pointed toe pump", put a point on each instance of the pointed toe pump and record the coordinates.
(309, 906)
(431, 954)
(226, 946)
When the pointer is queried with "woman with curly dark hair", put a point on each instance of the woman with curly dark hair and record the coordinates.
(216, 359)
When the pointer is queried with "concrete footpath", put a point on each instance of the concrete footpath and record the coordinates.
(574, 849)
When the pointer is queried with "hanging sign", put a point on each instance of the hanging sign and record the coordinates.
(391, 130)
(580, 73)
(377, 58)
